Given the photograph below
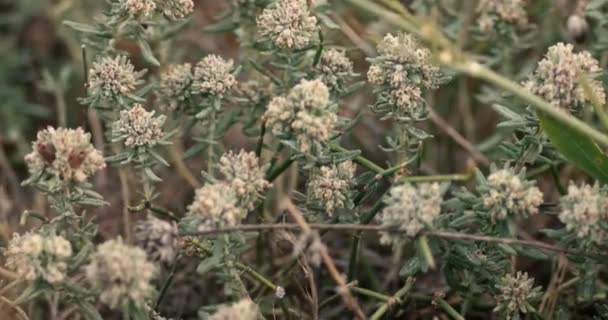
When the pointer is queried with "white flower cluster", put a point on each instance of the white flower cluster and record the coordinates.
(122, 274)
(175, 84)
(493, 12)
(138, 127)
(507, 193)
(213, 76)
(401, 71)
(217, 205)
(243, 173)
(411, 208)
(111, 77)
(561, 76)
(176, 9)
(583, 210)
(330, 185)
(335, 69)
(139, 7)
(242, 310)
(33, 256)
(159, 238)
(172, 9)
(516, 295)
(64, 153)
(306, 112)
(287, 24)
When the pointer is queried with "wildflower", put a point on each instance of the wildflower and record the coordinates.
(33, 256)
(213, 76)
(516, 295)
(158, 238)
(288, 24)
(493, 12)
(243, 173)
(330, 185)
(111, 77)
(217, 204)
(122, 274)
(139, 7)
(401, 71)
(335, 69)
(561, 78)
(175, 84)
(64, 153)
(176, 9)
(583, 211)
(411, 208)
(138, 127)
(242, 310)
(306, 112)
(508, 193)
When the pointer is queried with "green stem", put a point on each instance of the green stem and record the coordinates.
(280, 168)
(167, 284)
(449, 310)
(371, 294)
(354, 255)
(360, 160)
(260, 144)
(425, 250)
(439, 177)
(396, 297)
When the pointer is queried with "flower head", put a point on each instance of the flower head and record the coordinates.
(306, 112)
(217, 205)
(34, 256)
(111, 77)
(566, 79)
(493, 12)
(517, 293)
(175, 84)
(176, 9)
(139, 7)
(507, 193)
(122, 274)
(288, 24)
(330, 186)
(583, 210)
(411, 208)
(242, 310)
(401, 71)
(335, 69)
(64, 153)
(213, 76)
(158, 238)
(138, 127)
(243, 173)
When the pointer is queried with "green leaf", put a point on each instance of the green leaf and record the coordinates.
(579, 149)
(147, 53)
(88, 311)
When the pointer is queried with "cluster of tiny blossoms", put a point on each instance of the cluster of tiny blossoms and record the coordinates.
(306, 112)
(213, 76)
(584, 210)
(242, 310)
(64, 153)
(330, 185)
(175, 84)
(158, 238)
(122, 274)
(287, 24)
(335, 69)
(494, 12)
(226, 201)
(411, 208)
(33, 256)
(401, 71)
(516, 295)
(245, 176)
(112, 78)
(172, 9)
(507, 193)
(138, 127)
(566, 79)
